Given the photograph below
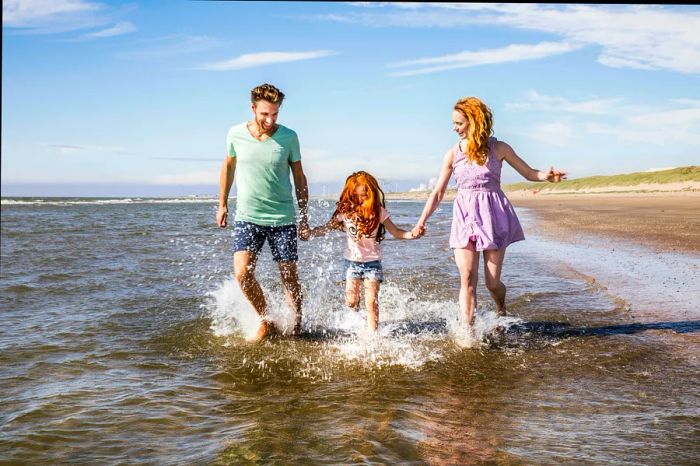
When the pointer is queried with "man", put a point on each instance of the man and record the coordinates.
(261, 153)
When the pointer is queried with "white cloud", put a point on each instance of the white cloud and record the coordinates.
(123, 27)
(678, 122)
(629, 36)
(251, 60)
(323, 166)
(510, 53)
(165, 47)
(537, 101)
(50, 16)
(553, 133)
(26, 13)
(75, 149)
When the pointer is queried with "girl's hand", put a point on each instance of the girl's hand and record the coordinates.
(555, 176)
(418, 231)
(304, 231)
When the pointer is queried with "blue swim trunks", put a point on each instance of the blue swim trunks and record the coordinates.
(360, 270)
(251, 237)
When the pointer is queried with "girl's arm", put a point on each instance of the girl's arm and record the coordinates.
(331, 224)
(437, 195)
(397, 232)
(505, 152)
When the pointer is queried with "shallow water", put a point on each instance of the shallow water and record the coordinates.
(123, 341)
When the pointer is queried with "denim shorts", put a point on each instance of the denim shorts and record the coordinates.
(359, 270)
(251, 237)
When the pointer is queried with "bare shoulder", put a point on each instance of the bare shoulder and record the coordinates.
(449, 156)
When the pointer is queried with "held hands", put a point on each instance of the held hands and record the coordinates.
(304, 230)
(555, 176)
(418, 231)
(221, 216)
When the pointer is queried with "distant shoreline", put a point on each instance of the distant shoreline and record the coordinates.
(689, 187)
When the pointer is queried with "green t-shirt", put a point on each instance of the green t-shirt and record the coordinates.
(264, 191)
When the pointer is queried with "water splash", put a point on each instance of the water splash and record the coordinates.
(412, 332)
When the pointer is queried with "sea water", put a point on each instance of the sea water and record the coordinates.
(123, 341)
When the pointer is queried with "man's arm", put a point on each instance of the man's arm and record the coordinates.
(228, 169)
(302, 193)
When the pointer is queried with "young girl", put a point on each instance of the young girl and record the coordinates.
(482, 217)
(362, 214)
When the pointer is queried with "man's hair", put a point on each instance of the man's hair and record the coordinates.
(267, 92)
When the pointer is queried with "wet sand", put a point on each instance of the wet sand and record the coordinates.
(666, 222)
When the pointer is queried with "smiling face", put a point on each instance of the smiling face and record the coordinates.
(266, 115)
(460, 124)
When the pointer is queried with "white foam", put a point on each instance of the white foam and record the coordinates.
(412, 332)
(654, 283)
(118, 201)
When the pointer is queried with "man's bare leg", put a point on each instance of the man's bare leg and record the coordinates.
(292, 290)
(244, 268)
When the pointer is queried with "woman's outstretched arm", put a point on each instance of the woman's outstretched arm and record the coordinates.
(505, 152)
(436, 195)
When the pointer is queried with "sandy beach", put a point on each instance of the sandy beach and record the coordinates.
(666, 221)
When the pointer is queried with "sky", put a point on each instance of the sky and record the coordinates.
(135, 98)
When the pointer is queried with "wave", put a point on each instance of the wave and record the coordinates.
(93, 201)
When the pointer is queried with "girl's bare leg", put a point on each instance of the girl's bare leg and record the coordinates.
(352, 293)
(493, 264)
(372, 303)
(468, 264)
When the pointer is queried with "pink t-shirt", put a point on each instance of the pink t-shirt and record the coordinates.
(362, 249)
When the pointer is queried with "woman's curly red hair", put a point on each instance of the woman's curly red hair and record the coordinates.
(480, 121)
(365, 215)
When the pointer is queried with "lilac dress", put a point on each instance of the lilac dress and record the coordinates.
(482, 213)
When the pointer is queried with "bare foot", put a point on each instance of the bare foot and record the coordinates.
(501, 312)
(266, 329)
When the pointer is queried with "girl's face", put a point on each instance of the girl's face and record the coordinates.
(361, 193)
(460, 124)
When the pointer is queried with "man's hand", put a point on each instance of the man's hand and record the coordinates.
(221, 214)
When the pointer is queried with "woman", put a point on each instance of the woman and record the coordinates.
(483, 218)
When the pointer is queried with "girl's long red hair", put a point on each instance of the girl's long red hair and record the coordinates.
(365, 215)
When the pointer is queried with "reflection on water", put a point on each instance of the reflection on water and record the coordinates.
(124, 342)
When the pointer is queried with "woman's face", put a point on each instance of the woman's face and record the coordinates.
(460, 124)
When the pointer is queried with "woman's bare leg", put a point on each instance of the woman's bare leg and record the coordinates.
(468, 264)
(493, 264)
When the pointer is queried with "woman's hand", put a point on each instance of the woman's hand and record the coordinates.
(418, 230)
(555, 176)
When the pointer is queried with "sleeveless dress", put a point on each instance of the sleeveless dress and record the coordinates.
(482, 213)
